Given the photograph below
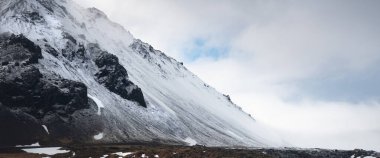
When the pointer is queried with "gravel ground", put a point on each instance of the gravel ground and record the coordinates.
(163, 151)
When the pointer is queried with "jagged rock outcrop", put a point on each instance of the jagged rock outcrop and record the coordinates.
(23, 86)
(28, 99)
(18, 127)
(16, 49)
(114, 76)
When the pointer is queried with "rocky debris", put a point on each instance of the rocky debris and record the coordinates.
(178, 151)
(316, 153)
(114, 76)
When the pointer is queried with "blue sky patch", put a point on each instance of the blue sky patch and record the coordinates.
(200, 49)
(349, 87)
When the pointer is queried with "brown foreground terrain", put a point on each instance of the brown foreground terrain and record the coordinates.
(163, 151)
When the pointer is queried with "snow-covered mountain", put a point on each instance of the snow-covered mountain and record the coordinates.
(135, 92)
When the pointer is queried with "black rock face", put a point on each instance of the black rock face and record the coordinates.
(23, 86)
(51, 50)
(18, 127)
(142, 49)
(69, 37)
(19, 49)
(114, 76)
(29, 99)
(33, 17)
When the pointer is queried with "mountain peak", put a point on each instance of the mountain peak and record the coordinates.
(21, 6)
(135, 93)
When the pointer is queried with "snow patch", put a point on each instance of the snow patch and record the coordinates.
(46, 129)
(98, 103)
(190, 141)
(31, 145)
(104, 156)
(99, 136)
(123, 153)
(47, 151)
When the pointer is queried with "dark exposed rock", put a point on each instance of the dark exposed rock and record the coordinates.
(51, 50)
(69, 51)
(144, 50)
(80, 128)
(33, 17)
(4, 63)
(18, 128)
(19, 48)
(73, 50)
(148, 52)
(228, 97)
(24, 88)
(29, 99)
(151, 49)
(69, 37)
(111, 63)
(114, 76)
(81, 50)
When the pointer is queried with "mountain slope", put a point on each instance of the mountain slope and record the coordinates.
(141, 94)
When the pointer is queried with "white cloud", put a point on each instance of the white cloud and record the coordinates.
(273, 46)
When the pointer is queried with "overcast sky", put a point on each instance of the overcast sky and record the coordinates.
(308, 69)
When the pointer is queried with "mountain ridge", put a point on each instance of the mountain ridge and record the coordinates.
(180, 108)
